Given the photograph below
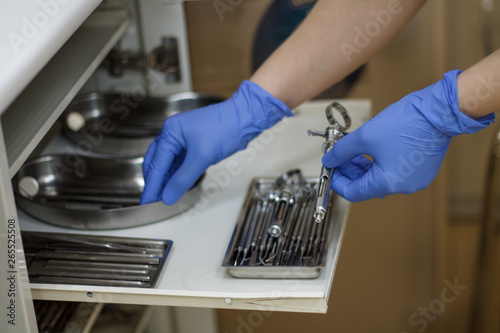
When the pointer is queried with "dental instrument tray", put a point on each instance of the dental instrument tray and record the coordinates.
(83, 192)
(94, 260)
(276, 235)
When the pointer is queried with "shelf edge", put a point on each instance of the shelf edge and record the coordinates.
(24, 128)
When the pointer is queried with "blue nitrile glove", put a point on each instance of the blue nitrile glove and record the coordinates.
(407, 141)
(192, 141)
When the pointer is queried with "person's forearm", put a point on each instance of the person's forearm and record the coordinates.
(479, 87)
(337, 37)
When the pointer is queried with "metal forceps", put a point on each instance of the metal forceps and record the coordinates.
(285, 199)
(332, 134)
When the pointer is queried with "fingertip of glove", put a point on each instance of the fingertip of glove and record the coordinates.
(340, 184)
(348, 189)
(144, 200)
(331, 160)
(327, 161)
(169, 197)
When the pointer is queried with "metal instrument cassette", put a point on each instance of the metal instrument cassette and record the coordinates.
(276, 235)
(83, 192)
(121, 124)
(94, 260)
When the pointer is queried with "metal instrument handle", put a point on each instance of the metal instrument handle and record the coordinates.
(330, 116)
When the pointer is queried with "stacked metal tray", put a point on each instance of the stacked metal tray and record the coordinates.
(99, 186)
(83, 192)
(94, 260)
(275, 235)
(123, 124)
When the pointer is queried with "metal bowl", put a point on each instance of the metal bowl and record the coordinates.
(83, 192)
(121, 124)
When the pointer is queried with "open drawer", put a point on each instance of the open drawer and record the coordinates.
(193, 275)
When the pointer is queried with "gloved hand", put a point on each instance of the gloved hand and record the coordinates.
(407, 141)
(192, 141)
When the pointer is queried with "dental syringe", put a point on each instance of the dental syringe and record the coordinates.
(332, 134)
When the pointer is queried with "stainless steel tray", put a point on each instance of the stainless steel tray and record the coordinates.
(94, 260)
(121, 124)
(288, 263)
(84, 192)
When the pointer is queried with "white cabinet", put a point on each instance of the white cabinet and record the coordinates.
(50, 50)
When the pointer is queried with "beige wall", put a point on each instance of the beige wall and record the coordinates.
(467, 153)
(396, 251)
(220, 49)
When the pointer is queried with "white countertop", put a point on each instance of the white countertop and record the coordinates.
(192, 275)
(31, 32)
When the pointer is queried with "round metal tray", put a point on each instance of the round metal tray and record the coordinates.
(121, 124)
(83, 192)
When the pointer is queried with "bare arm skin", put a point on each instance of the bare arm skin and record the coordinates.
(479, 87)
(336, 37)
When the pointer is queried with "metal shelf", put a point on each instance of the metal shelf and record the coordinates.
(35, 110)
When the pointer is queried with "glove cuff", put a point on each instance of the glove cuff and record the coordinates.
(266, 108)
(440, 108)
(257, 110)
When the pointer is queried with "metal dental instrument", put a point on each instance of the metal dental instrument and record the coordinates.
(248, 241)
(321, 241)
(265, 245)
(276, 227)
(290, 225)
(284, 199)
(260, 226)
(332, 134)
(291, 178)
(244, 232)
(292, 241)
(95, 243)
(297, 255)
